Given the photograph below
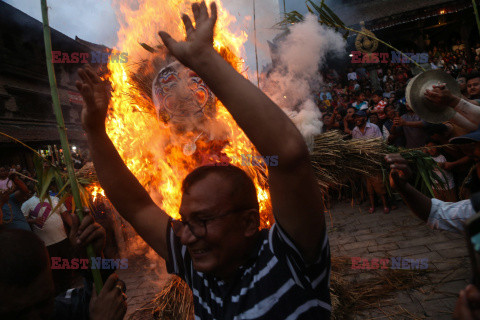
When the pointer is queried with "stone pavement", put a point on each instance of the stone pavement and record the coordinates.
(356, 233)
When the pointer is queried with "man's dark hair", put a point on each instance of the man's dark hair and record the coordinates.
(378, 93)
(244, 194)
(473, 75)
(23, 257)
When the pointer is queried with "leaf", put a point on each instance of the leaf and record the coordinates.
(47, 179)
(61, 191)
(60, 202)
(333, 15)
(427, 183)
(59, 181)
(85, 197)
(290, 18)
(147, 47)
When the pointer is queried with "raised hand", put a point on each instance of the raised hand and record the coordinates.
(199, 38)
(86, 232)
(442, 96)
(95, 97)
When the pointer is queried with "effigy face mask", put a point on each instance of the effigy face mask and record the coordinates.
(180, 95)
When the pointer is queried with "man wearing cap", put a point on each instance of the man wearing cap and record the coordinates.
(367, 130)
(437, 214)
(364, 129)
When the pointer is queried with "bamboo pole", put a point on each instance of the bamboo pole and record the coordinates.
(63, 135)
(476, 14)
(255, 40)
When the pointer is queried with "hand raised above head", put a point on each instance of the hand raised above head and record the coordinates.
(199, 38)
(441, 95)
(95, 97)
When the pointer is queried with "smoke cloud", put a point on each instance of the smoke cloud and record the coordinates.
(295, 76)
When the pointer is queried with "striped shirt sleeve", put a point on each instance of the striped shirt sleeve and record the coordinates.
(179, 262)
(307, 275)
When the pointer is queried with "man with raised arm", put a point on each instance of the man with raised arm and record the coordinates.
(235, 270)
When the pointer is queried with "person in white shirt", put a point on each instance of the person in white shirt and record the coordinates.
(5, 182)
(48, 225)
(437, 214)
(352, 75)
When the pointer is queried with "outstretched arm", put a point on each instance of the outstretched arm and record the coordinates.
(400, 172)
(468, 115)
(296, 198)
(121, 187)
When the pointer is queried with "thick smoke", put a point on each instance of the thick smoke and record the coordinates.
(295, 75)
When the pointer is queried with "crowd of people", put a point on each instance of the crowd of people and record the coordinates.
(32, 232)
(236, 270)
(368, 101)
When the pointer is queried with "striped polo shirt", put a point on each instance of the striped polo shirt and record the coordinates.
(275, 283)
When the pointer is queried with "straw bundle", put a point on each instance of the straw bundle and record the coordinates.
(174, 302)
(335, 160)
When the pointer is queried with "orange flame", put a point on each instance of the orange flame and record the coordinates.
(95, 191)
(145, 144)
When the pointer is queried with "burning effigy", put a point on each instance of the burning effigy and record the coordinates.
(160, 139)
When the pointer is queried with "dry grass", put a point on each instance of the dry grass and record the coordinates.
(174, 302)
(335, 160)
(350, 298)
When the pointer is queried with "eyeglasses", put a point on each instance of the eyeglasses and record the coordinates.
(197, 226)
